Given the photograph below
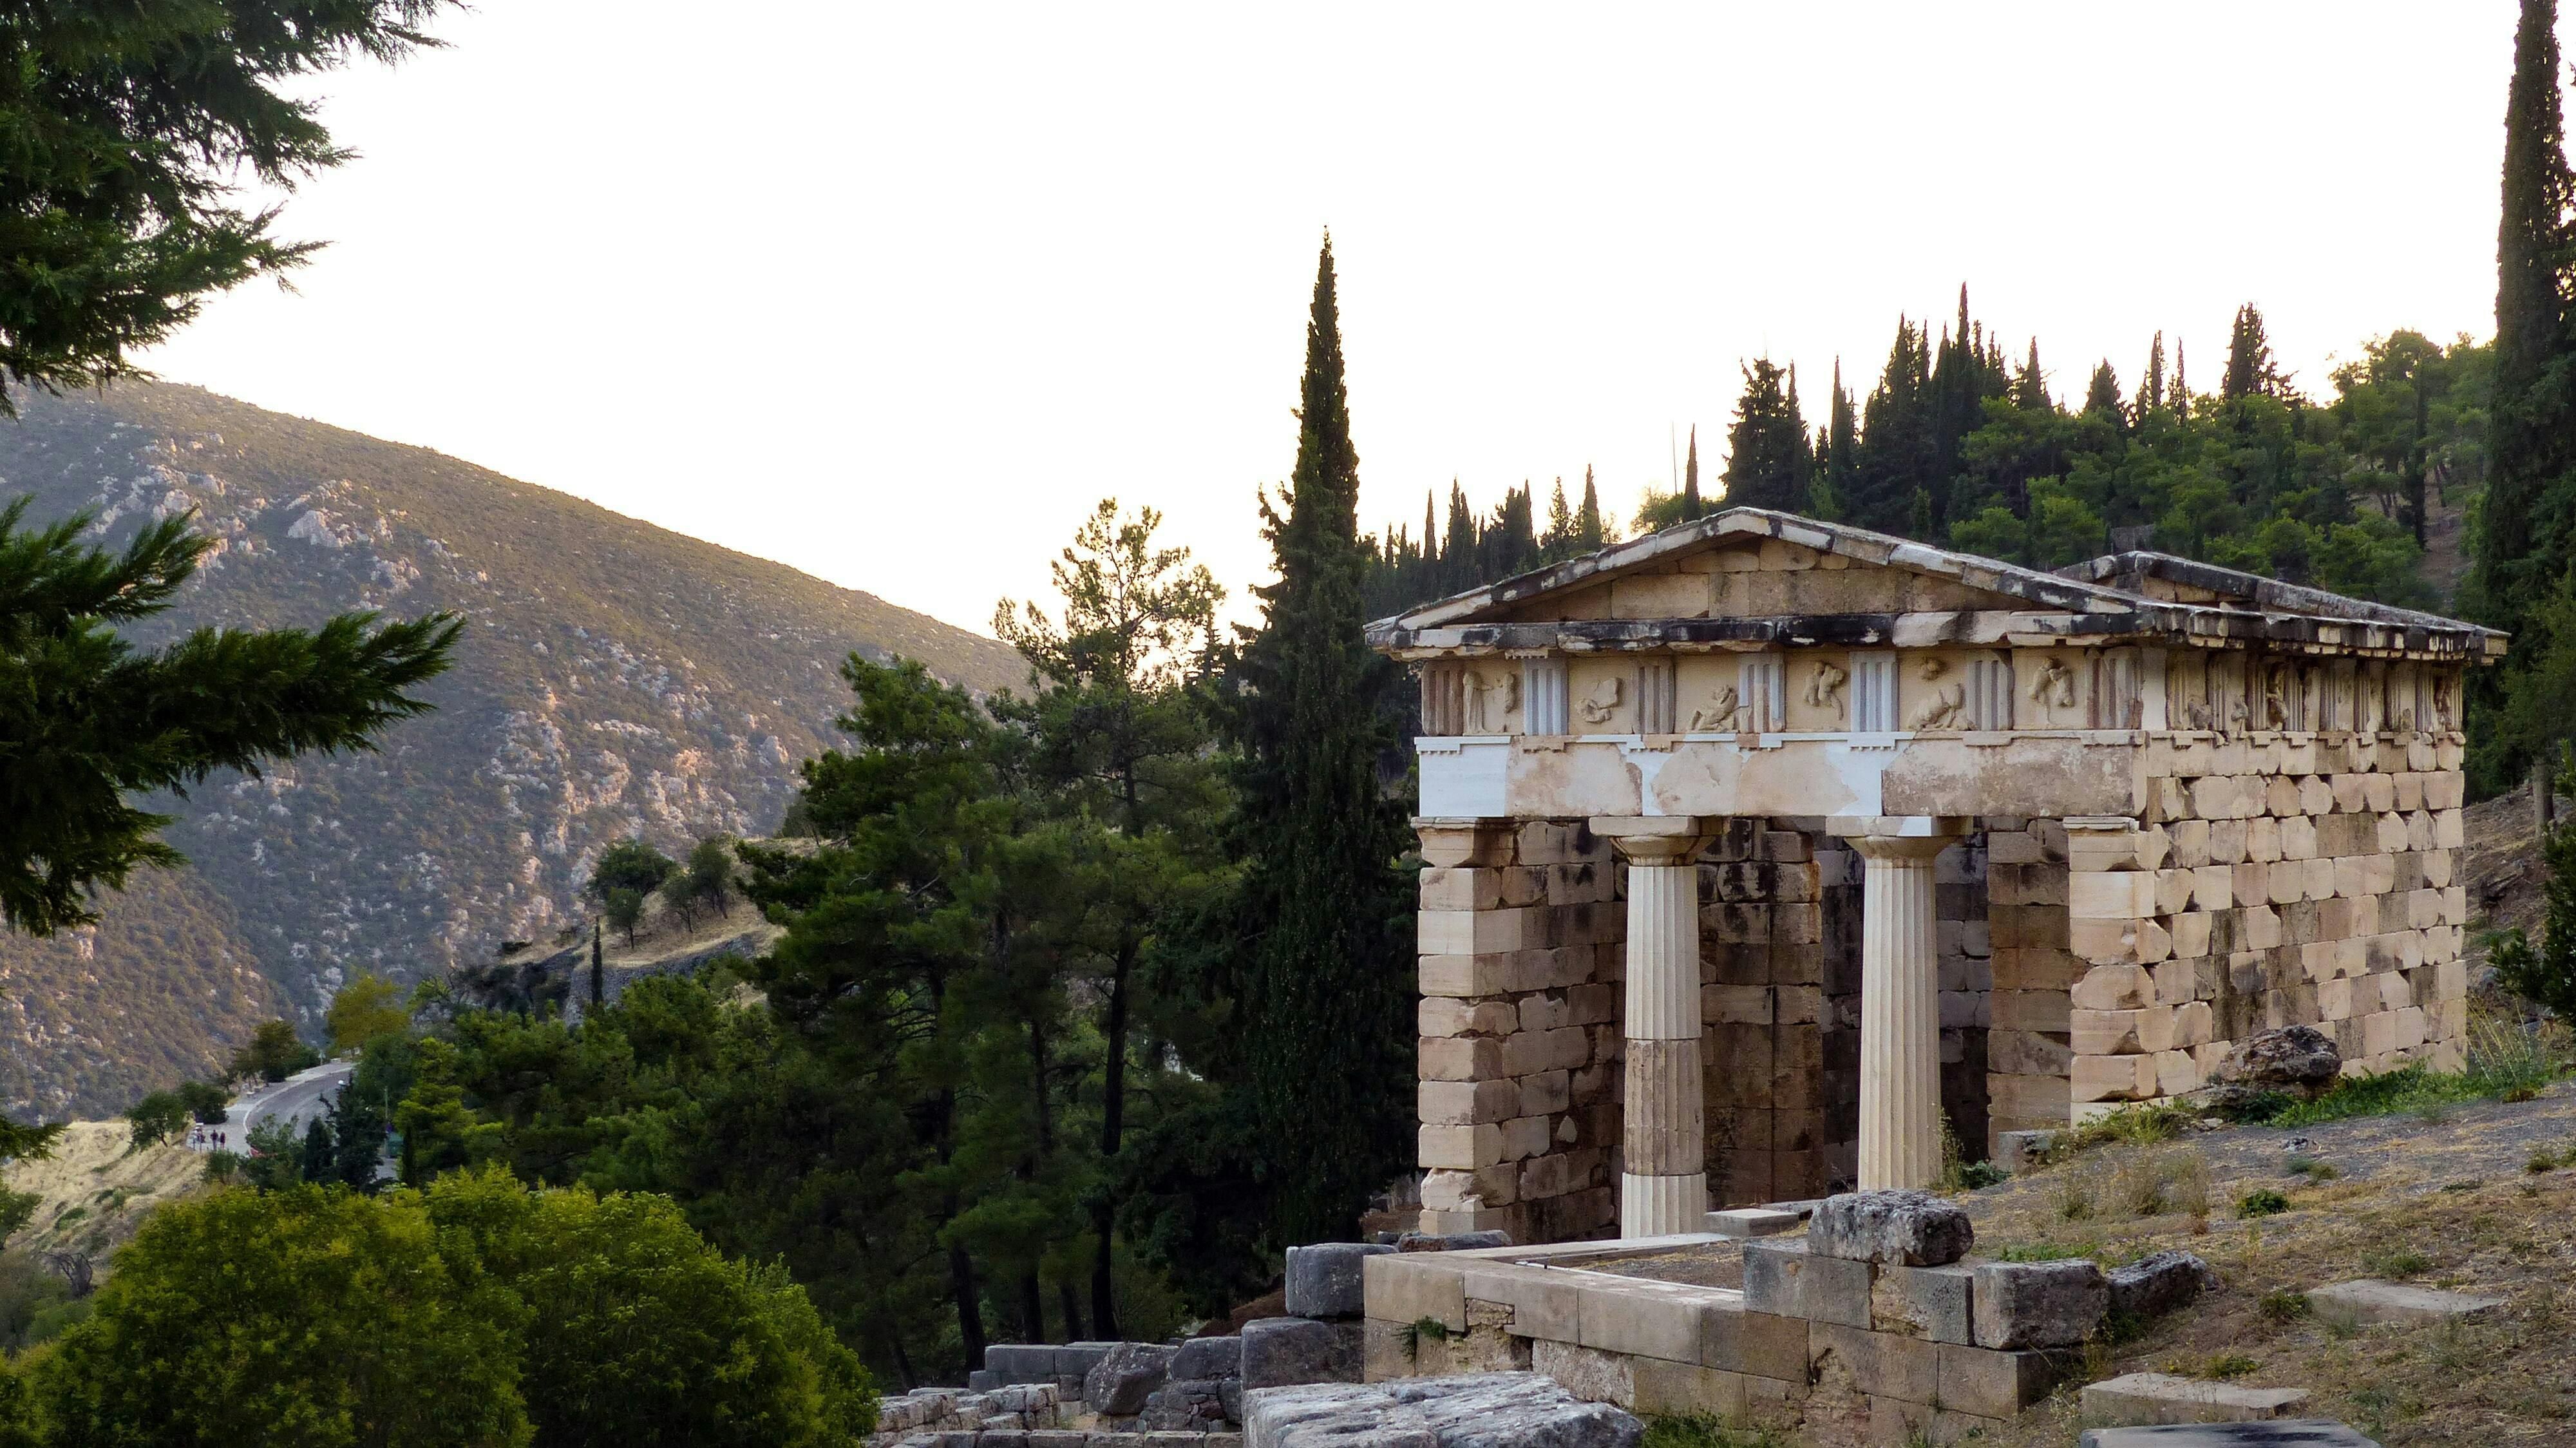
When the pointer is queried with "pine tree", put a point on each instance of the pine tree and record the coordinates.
(1691, 506)
(1591, 535)
(1560, 539)
(1768, 464)
(1328, 1003)
(2524, 546)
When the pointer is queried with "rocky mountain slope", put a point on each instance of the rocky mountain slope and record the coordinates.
(615, 679)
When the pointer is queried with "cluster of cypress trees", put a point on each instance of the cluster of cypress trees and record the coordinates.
(1477, 548)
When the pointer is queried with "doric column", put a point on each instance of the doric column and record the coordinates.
(1664, 1187)
(1900, 998)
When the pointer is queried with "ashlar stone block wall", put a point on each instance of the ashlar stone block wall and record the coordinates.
(2271, 881)
(1521, 1062)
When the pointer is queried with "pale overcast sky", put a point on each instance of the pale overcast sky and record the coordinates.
(894, 293)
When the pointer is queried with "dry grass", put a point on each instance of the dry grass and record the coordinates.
(96, 1192)
(2447, 1220)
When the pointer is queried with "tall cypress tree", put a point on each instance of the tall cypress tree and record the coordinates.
(2151, 388)
(1837, 456)
(2102, 394)
(1328, 990)
(1591, 535)
(1691, 505)
(2250, 369)
(2524, 543)
(1896, 437)
(1767, 462)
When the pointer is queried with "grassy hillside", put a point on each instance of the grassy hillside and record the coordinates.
(616, 678)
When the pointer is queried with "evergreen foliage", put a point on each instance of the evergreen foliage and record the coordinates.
(92, 720)
(130, 131)
(1327, 1004)
(2526, 534)
(2332, 493)
(1769, 459)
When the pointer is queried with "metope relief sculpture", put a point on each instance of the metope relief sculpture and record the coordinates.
(1720, 715)
(1946, 708)
(1602, 702)
(1825, 689)
(1491, 700)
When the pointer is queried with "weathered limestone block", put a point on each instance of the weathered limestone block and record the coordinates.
(1125, 1376)
(1910, 1228)
(1785, 1279)
(1479, 1410)
(2271, 1433)
(1282, 1351)
(2151, 1398)
(2289, 1057)
(1012, 1362)
(1208, 1357)
(2367, 1301)
(2157, 1284)
(1925, 1302)
(2038, 1304)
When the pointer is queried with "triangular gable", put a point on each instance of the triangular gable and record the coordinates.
(1750, 562)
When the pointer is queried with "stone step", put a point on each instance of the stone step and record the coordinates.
(2278, 1433)
(2153, 1398)
(2368, 1300)
(1747, 1222)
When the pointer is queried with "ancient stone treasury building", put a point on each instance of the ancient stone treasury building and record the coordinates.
(1762, 854)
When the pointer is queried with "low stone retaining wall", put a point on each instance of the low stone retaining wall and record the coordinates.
(1860, 1346)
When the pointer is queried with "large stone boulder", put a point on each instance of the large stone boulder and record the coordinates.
(2286, 1058)
(1284, 1351)
(2155, 1285)
(1479, 1410)
(2020, 1305)
(1903, 1228)
(1118, 1385)
(1324, 1279)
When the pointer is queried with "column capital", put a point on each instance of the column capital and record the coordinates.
(1899, 837)
(1465, 840)
(1654, 839)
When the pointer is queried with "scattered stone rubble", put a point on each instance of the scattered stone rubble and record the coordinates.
(1186, 1395)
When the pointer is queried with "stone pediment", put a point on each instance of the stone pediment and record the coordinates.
(1749, 578)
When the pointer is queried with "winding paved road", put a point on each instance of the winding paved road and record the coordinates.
(299, 1098)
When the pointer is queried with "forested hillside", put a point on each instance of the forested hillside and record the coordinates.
(2342, 485)
(615, 679)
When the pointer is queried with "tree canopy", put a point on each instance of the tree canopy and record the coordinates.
(130, 129)
(87, 719)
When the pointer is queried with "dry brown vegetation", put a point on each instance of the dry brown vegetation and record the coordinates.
(2478, 1198)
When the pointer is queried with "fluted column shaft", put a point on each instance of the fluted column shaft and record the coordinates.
(1663, 1186)
(1900, 1012)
